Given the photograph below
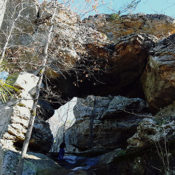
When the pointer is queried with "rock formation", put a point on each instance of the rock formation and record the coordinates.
(34, 163)
(96, 124)
(15, 117)
(115, 26)
(158, 79)
(108, 90)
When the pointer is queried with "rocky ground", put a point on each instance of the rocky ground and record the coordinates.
(108, 90)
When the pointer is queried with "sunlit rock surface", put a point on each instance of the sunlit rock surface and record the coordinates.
(158, 79)
(34, 163)
(115, 26)
(96, 124)
(15, 118)
(108, 69)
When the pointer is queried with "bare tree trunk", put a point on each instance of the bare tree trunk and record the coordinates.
(33, 111)
(2, 10)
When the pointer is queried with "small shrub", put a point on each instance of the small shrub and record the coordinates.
(114, 17)
(6, 87)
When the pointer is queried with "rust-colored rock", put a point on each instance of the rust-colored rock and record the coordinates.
(159, 77)
(110, 69)
(115, 26)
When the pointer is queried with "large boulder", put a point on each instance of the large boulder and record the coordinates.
(96, 124)
(34, 164)
(80, 56)
(126, 60)
(15, 118)
(151, 146)
(145, 162)
(113, 69)
(158, 78)
(156, 131)
(67, 42)
(115, 26)
(42, 138)
(148, 133)
(45, 110)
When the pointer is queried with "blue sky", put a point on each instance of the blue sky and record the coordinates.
(157, 6)
(145, 6)
(110, 6)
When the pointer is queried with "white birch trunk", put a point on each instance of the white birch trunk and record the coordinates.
(2, 10)
(11, 29)
(33, 111)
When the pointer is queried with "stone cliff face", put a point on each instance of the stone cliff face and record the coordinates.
(106, 78)
(15, 117)
(96, 124)
(115, 26)
(158, 80)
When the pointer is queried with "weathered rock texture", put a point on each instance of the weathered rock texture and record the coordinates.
(150, 132)
(15, 117)
(158, 79)
(108, 69)
(103, 55)
(167, 113)
(68, 39)
(96, 124)
(80, 56)
(68, 45)
(151, 146)
(115, 26)
(34, 163)
(135, 164)
(125, 64)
